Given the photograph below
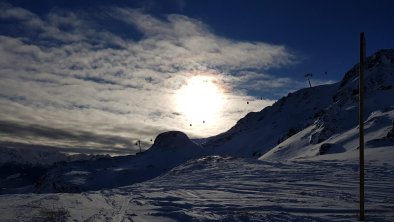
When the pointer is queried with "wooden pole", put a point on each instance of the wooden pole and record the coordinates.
(361, 122)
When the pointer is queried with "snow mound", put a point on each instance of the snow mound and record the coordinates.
(173, 140)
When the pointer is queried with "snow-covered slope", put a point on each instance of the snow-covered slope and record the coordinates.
(224, 189)
(258, 132)
(169, 150)
(309, 121)
(336, 128)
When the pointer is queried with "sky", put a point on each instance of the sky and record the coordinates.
(97, 76)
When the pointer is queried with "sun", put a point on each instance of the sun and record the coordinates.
(200, 100)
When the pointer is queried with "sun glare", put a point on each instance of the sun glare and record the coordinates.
(200, 100)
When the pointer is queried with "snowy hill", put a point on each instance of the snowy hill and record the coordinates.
(169, 150)
(317, 120)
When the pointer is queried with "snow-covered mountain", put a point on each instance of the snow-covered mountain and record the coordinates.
(318, 120)
(258, 132)
(39, 157)
(21, 168)
(335, 130)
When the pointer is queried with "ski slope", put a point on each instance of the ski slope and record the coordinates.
(218, 188)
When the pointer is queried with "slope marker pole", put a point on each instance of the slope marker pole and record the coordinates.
(361, 122)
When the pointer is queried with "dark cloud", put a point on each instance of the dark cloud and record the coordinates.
(33, 132)
(65, 149)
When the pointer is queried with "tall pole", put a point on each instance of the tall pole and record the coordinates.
(361, 122)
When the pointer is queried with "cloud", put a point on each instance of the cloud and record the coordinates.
(190, 44)
(68, 80)
(49, 136)
(10, 12)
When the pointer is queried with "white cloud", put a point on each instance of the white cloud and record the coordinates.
(74, 77)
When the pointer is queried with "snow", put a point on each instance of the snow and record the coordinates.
(298, 146)
(13, 176)
(227, 189)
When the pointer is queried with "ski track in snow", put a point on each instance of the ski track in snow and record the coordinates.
(228, 189)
